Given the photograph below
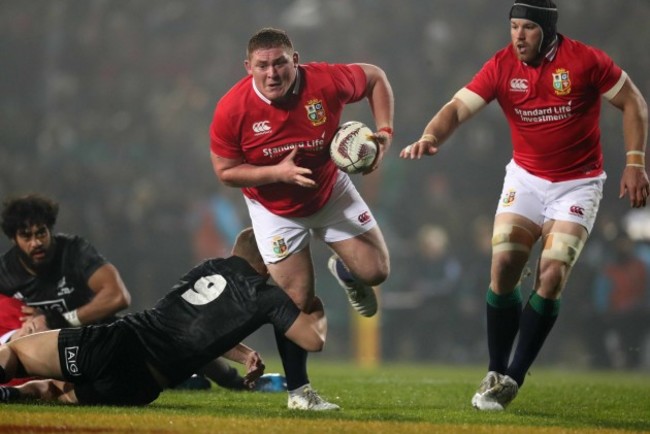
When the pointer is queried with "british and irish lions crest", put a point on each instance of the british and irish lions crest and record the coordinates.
(279, 246)
(561, 82)
(316, 112)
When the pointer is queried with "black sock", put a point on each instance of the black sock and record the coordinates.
(8, 394)
(343, 272)
(503, 312)
(3, 375)
(294, 361)
(537, 320)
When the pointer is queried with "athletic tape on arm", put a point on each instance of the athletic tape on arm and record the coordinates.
(616, 88)
(472, 100)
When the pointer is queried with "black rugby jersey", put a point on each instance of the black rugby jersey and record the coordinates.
(64, 285)
(210, 310)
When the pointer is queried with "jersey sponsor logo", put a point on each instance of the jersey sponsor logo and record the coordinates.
(519, 85)
(577, 210)
(261, 127)
(316, 112)
(561, 82)
(545, 114)
(279, 246)
(364, 217)
(205, 290)
(508, 198)
(71, 364)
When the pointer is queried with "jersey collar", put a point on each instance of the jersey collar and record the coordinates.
(294, 91)
(552, 52)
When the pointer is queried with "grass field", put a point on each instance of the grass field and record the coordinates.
(391, 399)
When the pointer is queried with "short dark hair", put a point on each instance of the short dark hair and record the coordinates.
(268, 37)
(22, 212)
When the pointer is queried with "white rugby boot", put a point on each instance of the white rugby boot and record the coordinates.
(361, 297)
(307, 399)
(495, 392)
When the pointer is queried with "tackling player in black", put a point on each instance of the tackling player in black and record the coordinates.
(129, 362)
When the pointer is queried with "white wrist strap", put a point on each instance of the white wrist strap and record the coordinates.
(72, 318)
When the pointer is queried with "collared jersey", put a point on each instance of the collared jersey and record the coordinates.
(64, 286)
(247, 125)
(553, 109)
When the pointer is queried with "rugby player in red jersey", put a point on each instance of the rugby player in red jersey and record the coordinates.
(270, 136)
(549, 88)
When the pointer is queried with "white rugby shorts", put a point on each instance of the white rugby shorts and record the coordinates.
(344, 216)
(541, 200)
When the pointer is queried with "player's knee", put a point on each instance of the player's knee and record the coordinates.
(551, 280)
(377, 275)
(562, 248)
(509, 264)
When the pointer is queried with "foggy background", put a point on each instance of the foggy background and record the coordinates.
(105, 107)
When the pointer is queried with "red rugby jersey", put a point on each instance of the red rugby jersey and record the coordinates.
(553, 109)
(247, 125)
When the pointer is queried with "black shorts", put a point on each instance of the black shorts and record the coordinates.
(106, 363)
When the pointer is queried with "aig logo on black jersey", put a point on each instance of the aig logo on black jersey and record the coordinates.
(262, 127)
(71, 361)
(519, 85)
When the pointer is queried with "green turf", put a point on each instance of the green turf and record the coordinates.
(393, 398)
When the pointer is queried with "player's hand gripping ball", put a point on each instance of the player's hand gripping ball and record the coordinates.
(353, 148)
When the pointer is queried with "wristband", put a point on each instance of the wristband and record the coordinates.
(635, 158)
(72, 317)
(428, 138)
(387, 130)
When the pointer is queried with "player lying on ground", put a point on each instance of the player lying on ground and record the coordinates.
(129, 362)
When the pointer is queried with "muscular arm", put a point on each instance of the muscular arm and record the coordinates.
(111, 295)
(382, 104)
(461, 108)
(634, 180)
(237, 173)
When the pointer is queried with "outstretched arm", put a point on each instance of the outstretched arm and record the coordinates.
(251, 359)
(461, 107)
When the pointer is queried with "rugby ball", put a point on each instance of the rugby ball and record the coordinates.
(353, 148)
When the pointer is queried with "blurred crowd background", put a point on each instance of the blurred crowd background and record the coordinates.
(105, 106)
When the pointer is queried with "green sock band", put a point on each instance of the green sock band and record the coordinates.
(504, 301)
(544, 306)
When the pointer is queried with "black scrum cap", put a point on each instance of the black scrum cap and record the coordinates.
(541, 12)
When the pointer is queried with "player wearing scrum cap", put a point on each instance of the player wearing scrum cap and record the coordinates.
(549, 88)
